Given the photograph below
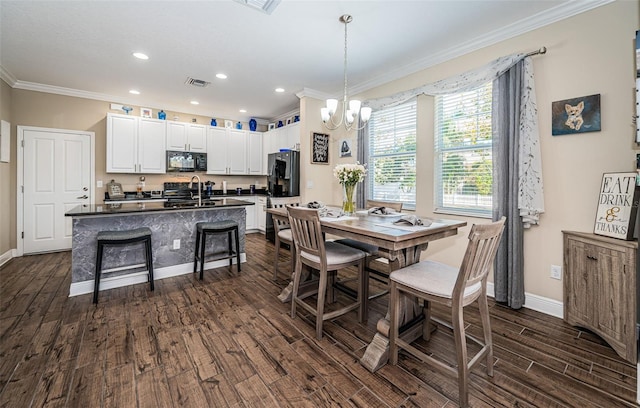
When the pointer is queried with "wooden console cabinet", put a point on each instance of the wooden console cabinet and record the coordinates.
(600, 288)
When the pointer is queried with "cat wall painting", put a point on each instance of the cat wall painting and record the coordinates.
(576, 115)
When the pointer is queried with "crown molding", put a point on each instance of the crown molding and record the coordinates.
(7, 76)
(544, 18)
(312, 93)
(32, 86)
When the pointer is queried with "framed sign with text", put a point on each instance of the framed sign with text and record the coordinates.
(617, 206)
(319, 148)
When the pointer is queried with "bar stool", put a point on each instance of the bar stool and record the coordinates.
(210, 228)
(118, 238)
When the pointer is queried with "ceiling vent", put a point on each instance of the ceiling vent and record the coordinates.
(266, 6)
(197, 82)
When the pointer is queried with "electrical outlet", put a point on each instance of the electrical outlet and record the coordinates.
(176, 244)
(99, 183)
(556, 272)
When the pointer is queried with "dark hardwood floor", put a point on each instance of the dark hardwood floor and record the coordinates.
(228, 341)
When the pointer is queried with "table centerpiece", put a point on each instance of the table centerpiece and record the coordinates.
(349, 175)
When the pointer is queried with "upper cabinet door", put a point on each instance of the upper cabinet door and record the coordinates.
(217, 151)
(237, 151)
(177, 136)
(122, 138)
(197, 138)
(254, 153)
(152, 134)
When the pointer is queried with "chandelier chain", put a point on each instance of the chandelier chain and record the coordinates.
(347, 118)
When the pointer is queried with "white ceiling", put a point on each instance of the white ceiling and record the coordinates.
(83, 48)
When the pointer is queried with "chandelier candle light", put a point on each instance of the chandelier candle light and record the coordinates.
(350, 109)
(349, 175)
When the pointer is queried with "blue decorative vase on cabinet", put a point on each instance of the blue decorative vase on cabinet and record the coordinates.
(253, 125)
(162, 115)
(214, 122)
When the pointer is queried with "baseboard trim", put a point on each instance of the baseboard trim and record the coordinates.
(7, 256)
(537, 303)
(84, 287)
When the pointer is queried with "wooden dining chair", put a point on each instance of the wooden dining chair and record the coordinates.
(372, 250)
(454, 287)
(282, 231)
(325, 257)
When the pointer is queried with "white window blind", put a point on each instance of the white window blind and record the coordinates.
(392, 155)
(463, 162)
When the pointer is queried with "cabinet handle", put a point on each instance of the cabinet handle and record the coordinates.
(591, 257)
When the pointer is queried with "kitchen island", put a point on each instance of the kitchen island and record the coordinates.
(173, 228)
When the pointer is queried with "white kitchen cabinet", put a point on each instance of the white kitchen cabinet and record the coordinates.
(252, 223)
(135, 145)
(186, 137)
(291, 136)
(261, 213)
(254, 153)
(151, 145)
(226, 151)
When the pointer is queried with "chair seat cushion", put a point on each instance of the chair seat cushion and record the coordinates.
(215, 225)
(124, 234)
(371, 250)
(285, 236)
(336, 254)
(431, 277)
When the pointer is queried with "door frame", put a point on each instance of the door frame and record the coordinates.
(20, 174)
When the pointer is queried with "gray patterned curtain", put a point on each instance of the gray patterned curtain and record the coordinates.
(508, 93)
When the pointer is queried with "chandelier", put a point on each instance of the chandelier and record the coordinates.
(350, 109)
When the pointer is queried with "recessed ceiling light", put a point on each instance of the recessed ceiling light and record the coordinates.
(133, 91)
(221, 76)
(243, 111)
(140, 55)
(279, 90)
(195, 103)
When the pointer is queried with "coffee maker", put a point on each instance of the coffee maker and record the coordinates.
(284, 174)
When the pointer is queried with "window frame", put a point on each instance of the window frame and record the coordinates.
(439, 152)
(412, 126)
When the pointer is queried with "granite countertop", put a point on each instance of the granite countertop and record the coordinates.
(215, 193)
(178, 205)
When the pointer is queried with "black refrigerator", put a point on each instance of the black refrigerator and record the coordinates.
(283, 177)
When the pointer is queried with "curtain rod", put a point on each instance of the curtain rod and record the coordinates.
(542, 50)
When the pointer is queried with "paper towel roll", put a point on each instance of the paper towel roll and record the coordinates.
(224, 186)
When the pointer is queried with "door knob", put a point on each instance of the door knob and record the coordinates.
(84, 197)
(84, 189)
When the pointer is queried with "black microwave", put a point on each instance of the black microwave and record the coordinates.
(186, 161)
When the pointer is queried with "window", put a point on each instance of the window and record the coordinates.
(392, 155)
(463, 162)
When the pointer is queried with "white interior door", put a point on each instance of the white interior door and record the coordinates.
(57, 177)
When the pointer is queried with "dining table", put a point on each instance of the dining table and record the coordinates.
(401, 245)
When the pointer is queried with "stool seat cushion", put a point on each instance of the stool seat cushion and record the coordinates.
(216, 225)
(371, 250)
(124, 234)
(336, 254)
(433, 278)
(285, 236)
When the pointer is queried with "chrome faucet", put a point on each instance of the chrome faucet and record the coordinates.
(199, 189)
